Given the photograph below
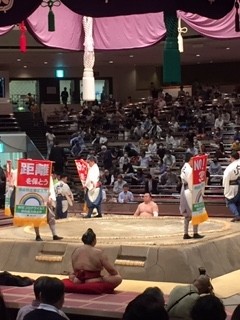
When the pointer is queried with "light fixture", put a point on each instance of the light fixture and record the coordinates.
(24, 67)
(18, 60)
(198, 55)
(227, 48)
(131, 56)
(110, 61)
(45, 62)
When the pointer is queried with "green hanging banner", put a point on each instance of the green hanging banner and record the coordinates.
(171, 54)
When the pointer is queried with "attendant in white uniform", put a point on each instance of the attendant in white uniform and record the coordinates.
(93, 188)
(231, 178)
(186, 197)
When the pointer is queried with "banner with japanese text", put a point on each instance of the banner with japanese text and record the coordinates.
(9, 188)
(199, 213)
(82, 169)
(32, 192)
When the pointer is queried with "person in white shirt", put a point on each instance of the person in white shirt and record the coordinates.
(93, 188)
(64, 197)
(186, 197)
(152, 147)
(50, 141)
(125, 196)
(231, 176)
(219, 122)
(118, 184)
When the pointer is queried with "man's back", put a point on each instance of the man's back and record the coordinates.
(40, 314)
(87, 258)
(181, 301)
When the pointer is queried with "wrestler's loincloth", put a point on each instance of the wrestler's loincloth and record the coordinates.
(84, 275)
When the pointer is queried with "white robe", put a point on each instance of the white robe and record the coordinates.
(186, 192)
(231, 173)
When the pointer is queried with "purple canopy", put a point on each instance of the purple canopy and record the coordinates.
(120, 32)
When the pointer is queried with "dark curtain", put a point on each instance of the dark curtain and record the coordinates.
(98, 8)
(20, 10)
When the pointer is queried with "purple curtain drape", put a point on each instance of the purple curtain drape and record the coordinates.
(222, 29)
(122, 32)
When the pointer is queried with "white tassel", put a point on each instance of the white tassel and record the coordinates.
(180, 38)
(88, 61)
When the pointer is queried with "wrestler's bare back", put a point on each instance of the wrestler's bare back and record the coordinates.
(87, 257)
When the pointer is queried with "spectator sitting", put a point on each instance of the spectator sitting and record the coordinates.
(161, 151)
(182, 298)
(77, 145)
(220, 152)
(107, 178)
(170, 141)
(152, 147)
(236, 135)
(192, 149)
(151, 185)
(138, 131)
(236, 313)
(226, 117)
(3, 309)
(169, 160)
(37, 288)
(162, 167)
(118, 185)
(145, 160)
(219, 122)
(138, 177)
(52, 299)
(128, 170)
(144, 142)
(217, 135)
(215, 167)
(208, 307)
(123, 160)
(100, 139)
(107, 158)
(168, 178)
(125, 196)
(145, 306)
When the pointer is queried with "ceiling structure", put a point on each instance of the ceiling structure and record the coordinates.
(197, 50)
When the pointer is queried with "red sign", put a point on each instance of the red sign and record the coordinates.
(82, 168)
(199, 169)
(34, 173)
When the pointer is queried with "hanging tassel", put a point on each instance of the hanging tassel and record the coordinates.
(51, 21)
(180, 38)
(23, 38)
(237, 27)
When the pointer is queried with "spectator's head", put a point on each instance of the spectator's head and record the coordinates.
(234, 156)
(208, 307)
(161, 146)
(188, 157)
(37, 286)
(91, 160)
(89, 237)
(149, 176)
(145, 307)
(52, 292)
(103, 148)
(236, 313)
(120, 178)
(203, 284)
(156, 293)
(125, 188)
(64, 177)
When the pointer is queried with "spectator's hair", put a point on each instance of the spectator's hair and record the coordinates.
(208, 307)
(52, 290)
(149, 176)
(89, 236)
(143, 307)
(92, 158)
(125, 185)
(236, 313)
(235, 155)
(188, 156)
(156, 293)
(63, 175)
(37, 286)
(3, 309)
